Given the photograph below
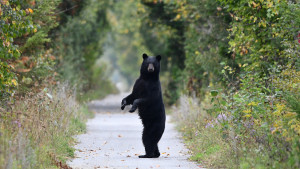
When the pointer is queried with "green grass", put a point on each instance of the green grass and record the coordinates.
(205, 144)
(215, 147)
(38, 131)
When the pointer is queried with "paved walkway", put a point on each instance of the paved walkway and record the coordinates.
(113, 140)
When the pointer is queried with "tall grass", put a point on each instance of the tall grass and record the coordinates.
(205, 143)
(218, 139)
(36, 131)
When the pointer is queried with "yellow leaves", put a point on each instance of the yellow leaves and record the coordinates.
(14, 82)
(253, 104)
(247, 115)
(270, 4)
(292, 121)
(255, 19)
(262, 23)
(247, 111)
(295, 125)
(273, 131)
(280, 107)
(178, 16)
(6, 43)
(29, 10)
(243, 51)
(141, 8)
(257, 122)
(290, 114)
(255, 5)
(289, 80)
(4, 2)
(284, 133)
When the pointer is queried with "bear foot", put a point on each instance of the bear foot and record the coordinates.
(148, 156)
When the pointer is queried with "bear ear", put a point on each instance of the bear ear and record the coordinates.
(158, 57)
(145, 56)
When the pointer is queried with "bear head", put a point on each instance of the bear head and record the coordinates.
(150, 65)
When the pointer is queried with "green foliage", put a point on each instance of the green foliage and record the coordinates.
(263, 32)
(80, 45)
(47, 9)
(191, 35)
(125, 39)
(37, 125)
(293, 102)
(255, 107)
(41, 136)
(15, 22)
(164, 35)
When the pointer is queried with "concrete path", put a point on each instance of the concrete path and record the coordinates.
(113, 140)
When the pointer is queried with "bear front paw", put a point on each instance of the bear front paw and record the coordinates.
(123, 104)
(132, 109)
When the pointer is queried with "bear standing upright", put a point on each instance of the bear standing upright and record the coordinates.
(147, 97)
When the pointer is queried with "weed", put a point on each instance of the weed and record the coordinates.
(37, 130)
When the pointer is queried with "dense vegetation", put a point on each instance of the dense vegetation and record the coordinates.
(46, 67)
(236, 66)
(231, 68)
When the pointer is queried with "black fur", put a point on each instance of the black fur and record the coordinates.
(147, 97)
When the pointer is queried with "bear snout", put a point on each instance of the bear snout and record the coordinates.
(150, 68)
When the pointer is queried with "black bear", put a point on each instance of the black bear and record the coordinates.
(147, 97)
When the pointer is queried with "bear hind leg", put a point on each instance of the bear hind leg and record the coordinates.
(156, 152)
(150, 141)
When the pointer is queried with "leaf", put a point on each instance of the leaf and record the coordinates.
(27, 80)
(30, 10)
(14, 82)
(214, 93)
